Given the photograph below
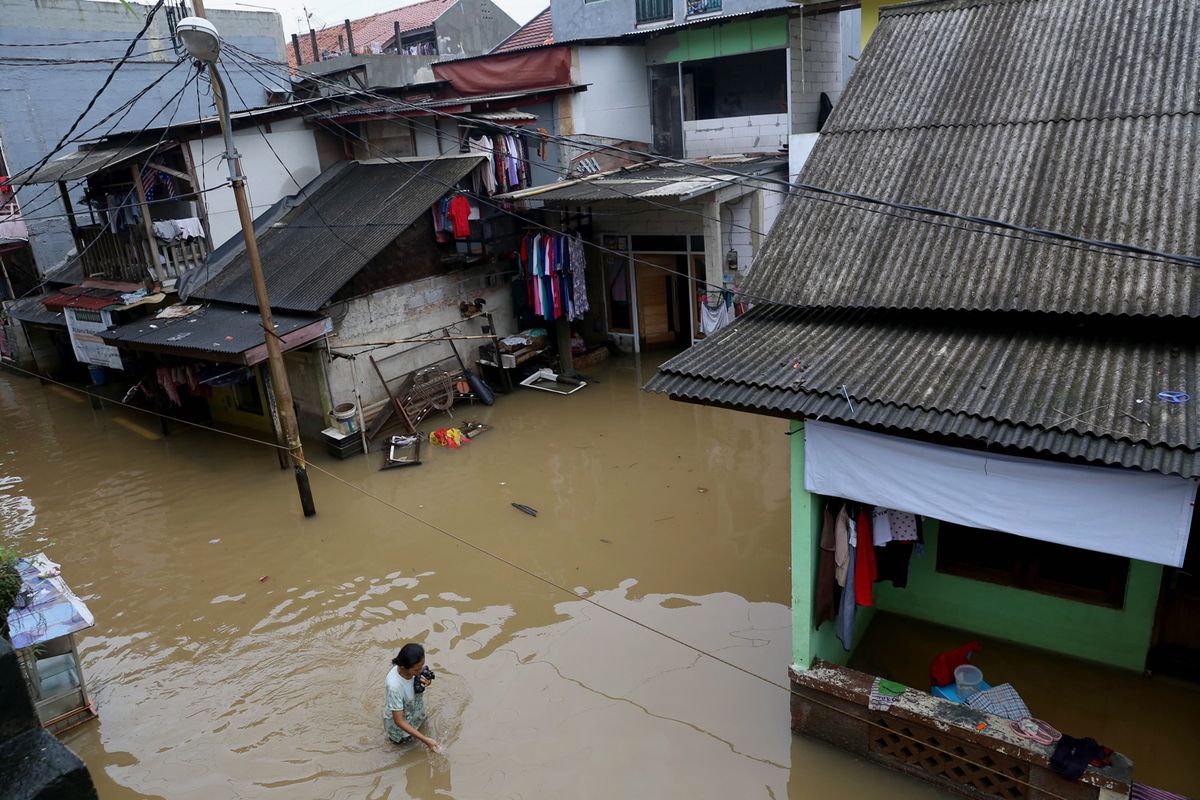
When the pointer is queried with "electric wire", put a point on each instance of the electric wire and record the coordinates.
(70, 262)
(1040, 235)
(550, 582)
(107, 81)
(127, 108)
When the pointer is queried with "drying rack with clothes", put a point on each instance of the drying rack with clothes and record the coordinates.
(506, 161)
(552, 268)
(860, 546)
(452, 217)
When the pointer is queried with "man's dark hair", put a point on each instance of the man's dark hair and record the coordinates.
(410, 655)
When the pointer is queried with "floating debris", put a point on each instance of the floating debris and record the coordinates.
(530, 511)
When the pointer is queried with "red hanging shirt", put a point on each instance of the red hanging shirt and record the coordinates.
(459, 212)
(865, 568)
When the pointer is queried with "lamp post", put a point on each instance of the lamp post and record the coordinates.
(200, 38)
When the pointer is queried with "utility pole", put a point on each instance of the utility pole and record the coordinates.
(206, 52)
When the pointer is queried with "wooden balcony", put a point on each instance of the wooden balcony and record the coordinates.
(129, 256)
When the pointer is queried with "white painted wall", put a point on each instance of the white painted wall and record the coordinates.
(800, 146)
(617, 100)
(757, 133)
(403, 311)
(266, 180)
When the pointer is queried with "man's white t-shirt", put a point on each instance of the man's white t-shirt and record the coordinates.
(400, 696)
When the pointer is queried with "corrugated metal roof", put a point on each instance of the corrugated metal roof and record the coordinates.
(214, 333)
(31, 310)
(659, 179)
(304, 261)
(1085, 392)
(416, 107)
(81, 163)
(535, 33)
(1049, 113)
(378, 28)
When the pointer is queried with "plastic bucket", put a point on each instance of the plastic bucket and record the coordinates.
(98, 375)
(967, 679)
(345, 416)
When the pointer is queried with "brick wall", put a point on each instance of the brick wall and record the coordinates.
(816, 66)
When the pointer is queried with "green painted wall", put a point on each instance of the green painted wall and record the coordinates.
(743, 36)
(808, 644)
(1120, 637)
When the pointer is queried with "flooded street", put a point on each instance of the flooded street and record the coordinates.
(240, 650)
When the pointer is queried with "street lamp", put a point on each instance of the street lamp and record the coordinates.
(203, 43)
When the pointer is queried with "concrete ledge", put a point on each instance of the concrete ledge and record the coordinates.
(940, 741)
(36, 766)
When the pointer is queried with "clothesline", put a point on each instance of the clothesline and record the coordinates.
(552, 266)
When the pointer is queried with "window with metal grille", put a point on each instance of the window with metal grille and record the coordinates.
(653, 10)
(695, 7)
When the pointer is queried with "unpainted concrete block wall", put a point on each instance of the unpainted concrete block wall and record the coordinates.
(404, 311)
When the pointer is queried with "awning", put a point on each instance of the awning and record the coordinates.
(676, 181)
(1124, 512)
(31, 311)
(82, 163)
(216, 333)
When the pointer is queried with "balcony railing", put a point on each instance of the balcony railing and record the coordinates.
(654, 10)
(695, 7)
(128, 256)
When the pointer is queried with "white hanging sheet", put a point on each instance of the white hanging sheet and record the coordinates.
(1125, 512)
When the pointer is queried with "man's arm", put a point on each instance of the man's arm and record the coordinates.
(402, 724)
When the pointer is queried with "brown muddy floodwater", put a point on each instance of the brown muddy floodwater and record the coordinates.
(212, 682)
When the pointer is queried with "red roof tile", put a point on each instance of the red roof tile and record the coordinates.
(537, 31)
(379, 28)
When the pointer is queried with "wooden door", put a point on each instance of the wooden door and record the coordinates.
(654, 295)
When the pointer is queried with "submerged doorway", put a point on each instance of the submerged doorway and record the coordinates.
(663, 299)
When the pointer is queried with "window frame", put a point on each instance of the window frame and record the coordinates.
(1028, 556)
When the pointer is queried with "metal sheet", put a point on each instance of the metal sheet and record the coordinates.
(352, 212)
(217, 333)
(1063, 387)
(82, 163)
(976, 107)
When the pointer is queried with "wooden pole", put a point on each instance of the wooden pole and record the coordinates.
(147, 223)
(281, 391)
(296, 49)
(198, 188)
(349, 38)
(396, 28)
(66, 198)
(312, 39)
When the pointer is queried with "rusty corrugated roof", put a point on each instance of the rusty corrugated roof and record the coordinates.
(535, 33)
(1083, 118)
(1085, 391)
(378, 28)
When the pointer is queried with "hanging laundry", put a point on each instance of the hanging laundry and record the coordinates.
(866, 570)
(459, 212)
(848, 608)
(903, 526)
(578, 277)
(545, 262)
(841, 546)
(824, 606)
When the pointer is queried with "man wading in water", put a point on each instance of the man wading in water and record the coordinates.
(404, 708)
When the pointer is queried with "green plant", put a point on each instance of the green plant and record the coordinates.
(10, 584)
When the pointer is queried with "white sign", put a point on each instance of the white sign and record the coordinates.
(84, 325)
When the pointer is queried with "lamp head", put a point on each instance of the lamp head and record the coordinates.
(200, 38)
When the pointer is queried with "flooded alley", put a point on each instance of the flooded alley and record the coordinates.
(240, 650)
